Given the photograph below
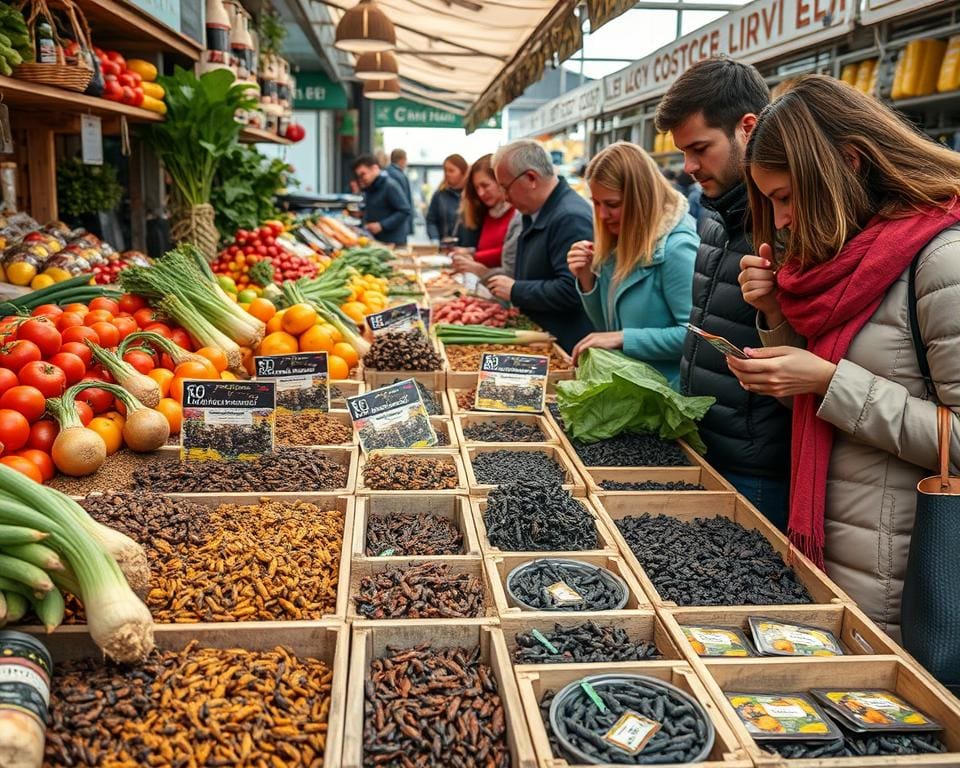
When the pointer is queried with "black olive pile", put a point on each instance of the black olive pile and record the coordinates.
(710, 561)
(650, 485)
(859, 745)
(596, 586)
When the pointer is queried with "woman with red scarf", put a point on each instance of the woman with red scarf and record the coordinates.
(848, 196)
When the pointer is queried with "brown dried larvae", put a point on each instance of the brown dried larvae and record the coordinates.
(466, 357)
(399, 472)
(422, 591)
(299, 428)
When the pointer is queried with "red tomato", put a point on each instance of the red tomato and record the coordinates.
(125, 326)
(24, 466)
(140, 360)
(79, 349)
(42, 435)
(25, 399)
(79, 333)
(7, 379)
(130, 303)
(84, 411)
(48, 310)
(72, 366)
(161, 328)
(42, 461)
(14, 429)
(98, 399)
(68, 320)
(145, 316)
(97, 316)
(108, 333)
(17, 354)
(43, 332)
(102, 302)
(182, 338)
(78, 307)
(48, 378)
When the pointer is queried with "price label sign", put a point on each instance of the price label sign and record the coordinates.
(392, 417)
(513, 383)
(227, 420)
(405, 317)
(302, 380)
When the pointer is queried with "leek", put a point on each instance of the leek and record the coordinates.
(483, 334)
(177, 353)
(201, 331)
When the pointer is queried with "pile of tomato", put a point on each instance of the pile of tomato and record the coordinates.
(43, 354)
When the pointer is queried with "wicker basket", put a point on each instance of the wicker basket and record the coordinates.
(71, 77)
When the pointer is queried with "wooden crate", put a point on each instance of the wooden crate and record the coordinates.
(639, 625)
(458, 377)
(432, 380)
(858, 635)
(712, 482)
(607, 544)
(572, 481)
(367, 566)
(534, 682)
(444, 426)
(455, 508)
(348, 388)
(328, 641)
(793, 675)
(450, 455)
(735, 507)
(455, 385)
(345, 456)
(343, 417)
(499, 566)
(464, 420)
(370, 641)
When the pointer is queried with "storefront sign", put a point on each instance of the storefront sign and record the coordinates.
(579, 104)
(404, 113)
(317, 91)
(167, 11)
(874, 11)
(762, 30)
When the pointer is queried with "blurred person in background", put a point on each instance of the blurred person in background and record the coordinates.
(386, 212)
(688, 187)
(398, 172)
(635, 277)
(554, 218)
(443, 216)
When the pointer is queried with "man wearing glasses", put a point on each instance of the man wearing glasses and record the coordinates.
(554, 217)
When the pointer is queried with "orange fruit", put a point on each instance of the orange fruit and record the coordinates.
(316, 339)
(173, 413)
(216, 356)
(246, 360)
(337, 368)
(275, 323)
(176, 389)
(163, 377)
(298, 319)
(194, 369)
(227, 376)
(262, 309)
(110, 431)
(278, 343)
(349, 355)
(354, 310)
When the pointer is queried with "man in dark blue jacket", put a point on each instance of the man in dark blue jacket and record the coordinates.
(554, 217)
(398, 172)
(386, 212)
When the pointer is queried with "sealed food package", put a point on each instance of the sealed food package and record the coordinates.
(718, 641)
(865, 710)
(779, 638)
(777, 716)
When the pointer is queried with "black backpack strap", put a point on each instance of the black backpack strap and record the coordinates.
(919, 347)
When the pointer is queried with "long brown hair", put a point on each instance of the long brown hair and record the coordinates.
(646, 197)
(456, 161)
(472, 209)
(813, 132)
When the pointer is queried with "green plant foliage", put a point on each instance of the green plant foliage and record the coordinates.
(271, 33)
(84, 189)
(243, 195)
(200, 128)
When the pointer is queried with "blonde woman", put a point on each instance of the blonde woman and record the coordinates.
(635, 280)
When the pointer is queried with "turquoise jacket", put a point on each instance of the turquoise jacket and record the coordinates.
(652, 305)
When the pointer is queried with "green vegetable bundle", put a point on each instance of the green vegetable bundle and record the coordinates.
(16, 45)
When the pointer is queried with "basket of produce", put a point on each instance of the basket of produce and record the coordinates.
(72, 74)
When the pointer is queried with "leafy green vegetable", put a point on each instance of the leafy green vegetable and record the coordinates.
(246, 183)
(614, 393)
(83, 189)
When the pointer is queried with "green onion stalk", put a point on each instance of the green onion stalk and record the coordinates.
(482, 334)
(202, 331)
(144, 429)
(142, 387)
(177, 354)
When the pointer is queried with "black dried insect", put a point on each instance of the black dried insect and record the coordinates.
(533, 517)
(412, 535)
(497, 467)
(403, 351)
(650, 485)
(588, 643)
(597, 588)
(507, 431)
(860, 745)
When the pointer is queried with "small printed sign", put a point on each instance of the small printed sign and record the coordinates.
(302, 380)
(512, 383)
(562, 593)
(91, 139)
(631, 732)
(227, 420)
(392, 417)
(405, 317)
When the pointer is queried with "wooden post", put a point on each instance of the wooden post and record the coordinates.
(42, 173)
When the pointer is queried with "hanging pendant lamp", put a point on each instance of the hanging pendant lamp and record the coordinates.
(381, 65)
(364, 29)
(381, 89)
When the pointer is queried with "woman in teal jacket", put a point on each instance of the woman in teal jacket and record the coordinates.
(636, 280)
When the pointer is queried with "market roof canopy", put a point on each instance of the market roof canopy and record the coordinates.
(476, 56)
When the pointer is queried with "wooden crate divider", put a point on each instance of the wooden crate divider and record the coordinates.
(443, 425)
(572, 481)
(464, 420)
(432, 380)
(455, 508)
(499, 566)
(612, 508)
(728, 751)
(348, 388)
(455, 385)
(370, 641)
(607, 544)
(449, 455)
(800, 675)
(468, 378)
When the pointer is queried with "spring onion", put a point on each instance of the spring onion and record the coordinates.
(329, 313)
(143, 388)
(77, 451)
(176, 353)
(483, 334)
(203, 333)
(144, 429)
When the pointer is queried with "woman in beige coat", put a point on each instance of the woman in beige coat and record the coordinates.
(852, 196)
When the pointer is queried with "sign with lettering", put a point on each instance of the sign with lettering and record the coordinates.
(512, 383)
(404, 113)
(227, 419)
(303, 384)
(317, 91)
(392, 417)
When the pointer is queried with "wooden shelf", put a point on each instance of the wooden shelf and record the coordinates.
(21, 94)
(120, 24)
(930, 100)
(250, 135)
